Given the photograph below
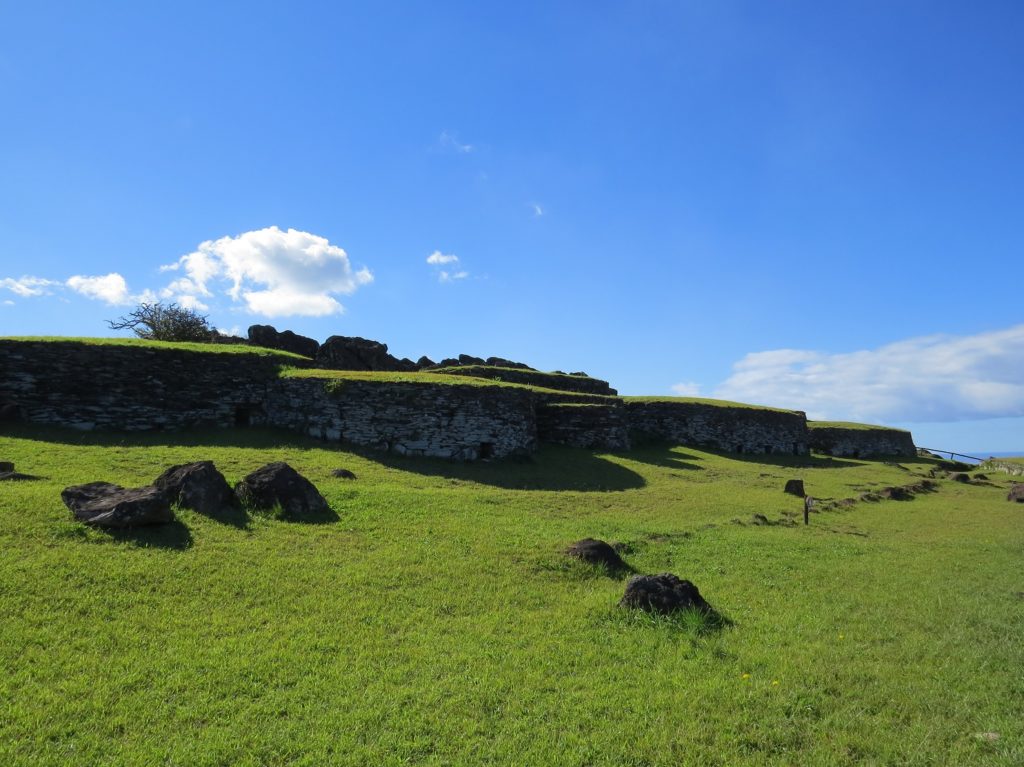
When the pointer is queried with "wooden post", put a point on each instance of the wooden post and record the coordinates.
(808, 504)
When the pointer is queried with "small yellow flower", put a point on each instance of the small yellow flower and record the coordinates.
(842, 636)
(775, 682)
(746, 676)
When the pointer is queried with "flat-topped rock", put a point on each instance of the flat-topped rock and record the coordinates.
(103, 504)
(1016, 493)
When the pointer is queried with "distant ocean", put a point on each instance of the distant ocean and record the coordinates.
(987, 454)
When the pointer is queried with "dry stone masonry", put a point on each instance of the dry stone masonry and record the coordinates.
(136, 388)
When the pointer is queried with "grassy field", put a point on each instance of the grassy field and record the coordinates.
(848, 425)
(176, 345)
(435, 621)
(706, 401)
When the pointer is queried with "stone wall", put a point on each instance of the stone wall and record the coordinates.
(594, 426)
(445, 421)
(732, 429)
(860, 442)
(559, 381)
(133, 388)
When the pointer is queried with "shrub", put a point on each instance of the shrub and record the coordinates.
(157, 322)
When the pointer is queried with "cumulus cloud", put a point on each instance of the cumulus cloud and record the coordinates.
(686, 389)
(274, 273)
(27, 287)
(936, 378)
(109, 288)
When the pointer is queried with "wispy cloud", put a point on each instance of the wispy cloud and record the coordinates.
(27, 287)
(272, 273)
(538, 211)
(437, 258)
(450, 141)
(934, 378)
(451, 272)
(686, 389)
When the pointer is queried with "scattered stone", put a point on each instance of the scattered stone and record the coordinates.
(990, 737)
(663, 594)
(469, 359)
(795, 487)
(197, 486)
(501, 362)
(759, 519)
(959, 477)
(279, 484)
(103, 504)
(354, 353)
(343, 474)
(425, 362)
(268, 337)
(6, 467)
(1016, 493)
(15, 476)
(596, 552)
(982, 477)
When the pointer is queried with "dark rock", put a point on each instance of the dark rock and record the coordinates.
(449, 362)
(9, 412)
(343, 474)
(580, 373)
(353, 353)
(596, 552)
(501, 362)
(759, 519)
(1016, 493)
(662, 593)
(15, 476)
(197, 486)
(982, 477)
(469, 359)
(960, 477)
(6, 466)
(795, 487)
(279, 484)
(268, 337)
(425, 362)
(896, 493)
(105, 505)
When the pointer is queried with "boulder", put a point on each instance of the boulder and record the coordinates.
(198, 486)
(268, 337)
(353, 353)
(343, 474)
(896, 493)
(469, 359)
(105, 505)
(795, 487)
(759, 519)
(501, 362)
(959, 477)
(6, 467)
(425, 362)
(596, 552)
(1016, 493)
(981, 477)
(664, 593)
(279, 484)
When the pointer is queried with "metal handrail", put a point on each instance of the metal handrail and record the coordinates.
(951, 454)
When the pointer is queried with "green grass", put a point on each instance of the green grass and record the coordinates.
(849, 425)
(180, 345)
(705, 401)
(492, 370)
(436, 621)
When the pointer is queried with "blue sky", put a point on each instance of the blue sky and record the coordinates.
(804, 204)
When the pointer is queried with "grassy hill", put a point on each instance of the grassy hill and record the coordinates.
(436, 621)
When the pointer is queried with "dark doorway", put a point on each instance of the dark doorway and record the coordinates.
(243, 416)
(487, 450)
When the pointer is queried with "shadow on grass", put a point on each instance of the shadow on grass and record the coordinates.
(663, 454)
(172, 535)
(791, 461)
(233, 516)
(550, 468)
(308, 517)
(200, 436)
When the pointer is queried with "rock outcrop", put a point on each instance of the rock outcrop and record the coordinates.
(354, 353)
(268, 337)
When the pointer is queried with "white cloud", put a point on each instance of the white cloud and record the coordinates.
(449, 140)
(27, 287)
(8, 303)
(686, 389)
(437, 257)
(937, 378)
(273, 272)
(444, 276)
(109, 288)
(538, 211)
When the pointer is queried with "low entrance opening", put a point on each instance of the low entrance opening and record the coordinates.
(487, 450)
(796, 448)
(243, 415)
